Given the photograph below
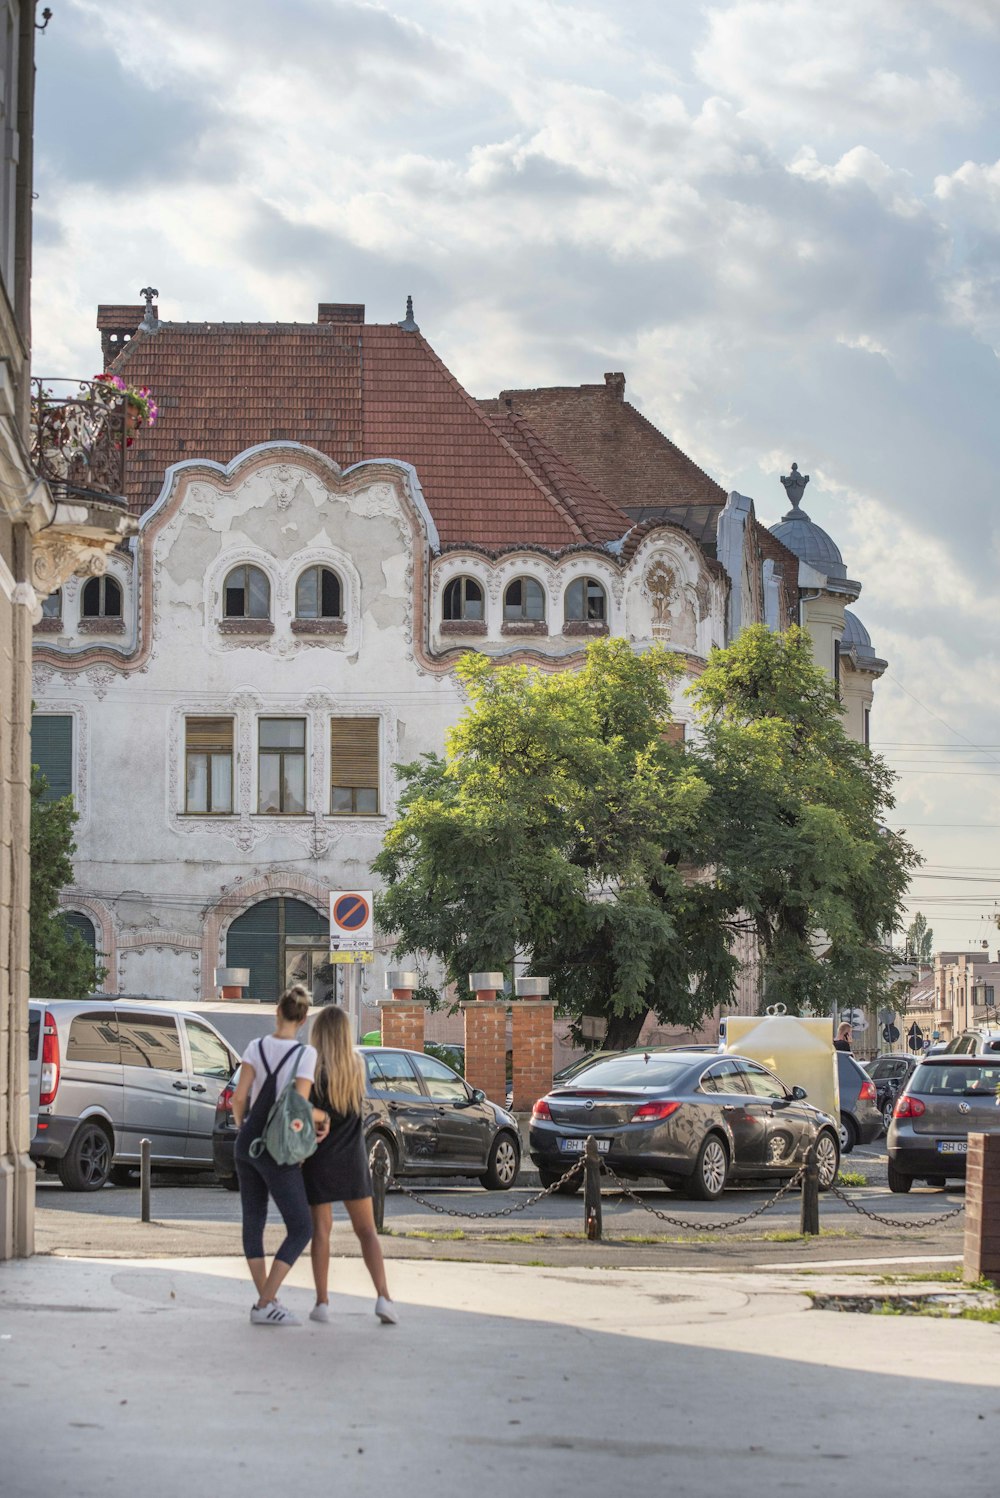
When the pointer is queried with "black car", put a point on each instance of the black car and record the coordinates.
(697, 1121)
(426, 1118)
(890, 1075)
(860, 1116)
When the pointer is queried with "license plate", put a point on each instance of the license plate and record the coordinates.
(953, 1147)
(578, 1146)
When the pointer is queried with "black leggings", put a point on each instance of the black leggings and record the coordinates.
(260, 1178)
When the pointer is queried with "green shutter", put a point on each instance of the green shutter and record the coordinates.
(52, 752)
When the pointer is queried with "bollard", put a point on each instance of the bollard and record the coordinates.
(380, 1172)
(592, 1189)
(144, 1171)
(809, 1221)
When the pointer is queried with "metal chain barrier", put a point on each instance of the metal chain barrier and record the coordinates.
(706, 1227)
(909, 1224)
(501, 1211)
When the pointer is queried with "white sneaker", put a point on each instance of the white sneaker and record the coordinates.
(273, 1315)
(320, 1312)
(386, 1311)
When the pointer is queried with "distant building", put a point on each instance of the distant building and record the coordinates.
(966, 987)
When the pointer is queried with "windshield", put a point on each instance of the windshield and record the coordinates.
(975, 1080)
(642, 1070)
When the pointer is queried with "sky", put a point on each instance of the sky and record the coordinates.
(780, 218)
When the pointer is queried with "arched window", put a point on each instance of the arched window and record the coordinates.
(282, 941)
(102, 599)
(318, 595)
(463, 599)
(52, 606)
(247, 594)
(524, 599)
(586, 600)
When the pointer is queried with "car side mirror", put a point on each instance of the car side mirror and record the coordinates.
(478, 1095)
(798, 1094)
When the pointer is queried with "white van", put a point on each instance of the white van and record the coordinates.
(110, 1073)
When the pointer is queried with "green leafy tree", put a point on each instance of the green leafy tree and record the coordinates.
(62, 965)
(919, 939)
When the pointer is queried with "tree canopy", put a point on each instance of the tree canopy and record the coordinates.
(919, 939)
(566, 825)
(61, 965)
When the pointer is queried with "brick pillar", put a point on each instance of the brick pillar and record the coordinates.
(532, 1044)
(486, 1048)
(403, 1024)
(982, 1208)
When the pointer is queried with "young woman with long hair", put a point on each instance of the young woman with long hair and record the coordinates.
(267, 1066)
(338, 1171)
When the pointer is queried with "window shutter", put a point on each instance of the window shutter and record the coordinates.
(52, 752)
(210, 735)
(354, 752)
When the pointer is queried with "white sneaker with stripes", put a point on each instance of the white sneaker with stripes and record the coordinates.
(274, 1314)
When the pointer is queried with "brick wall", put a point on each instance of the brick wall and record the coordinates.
(485, 1048)
(982, 1208)
(532, 1046)
(403, 1025)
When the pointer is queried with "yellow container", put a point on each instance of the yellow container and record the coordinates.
(799, 1051)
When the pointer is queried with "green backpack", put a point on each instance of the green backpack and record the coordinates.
(290, 1134)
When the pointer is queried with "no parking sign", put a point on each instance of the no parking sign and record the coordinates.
(352, 924)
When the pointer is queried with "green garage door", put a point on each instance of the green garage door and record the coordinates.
(259, 938)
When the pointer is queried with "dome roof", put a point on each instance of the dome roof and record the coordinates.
(810, 543)
(855, 635)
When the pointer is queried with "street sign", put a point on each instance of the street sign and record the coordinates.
(915, 1037)
(347, 958)
(890, 1034)
(352, 925)
(855, 1018)
(886, 1016)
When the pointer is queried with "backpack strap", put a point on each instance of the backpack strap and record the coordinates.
(287, 1057)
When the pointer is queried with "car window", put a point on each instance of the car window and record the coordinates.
(209, 1056)
(969, 1079)
(724, 1076)
(34, 1033)
(391, 1075)
(440, 1081)
(94, 1037)
(641, 1070)
(150, 1040)
(760, 1082)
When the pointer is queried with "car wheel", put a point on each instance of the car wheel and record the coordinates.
(710, 1170)
(887, 1108)
(381, 1142)
(898, 1182)
(503, 1164)
(848, 1134)
(568, 1188)
(939, 1181)
(124, 1175)
(827, 1159)
(86, 1165)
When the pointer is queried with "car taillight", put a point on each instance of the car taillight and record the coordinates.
(653, 1111)
(540, 1110)
(225, 1103)
(867, 1093)
(908, 1107)
(49, 1083)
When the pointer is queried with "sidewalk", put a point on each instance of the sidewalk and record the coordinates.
(145, 1376)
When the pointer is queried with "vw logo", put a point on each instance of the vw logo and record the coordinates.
(965, 1107)
(590, 1103)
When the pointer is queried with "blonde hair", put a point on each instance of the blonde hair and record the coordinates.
(293, 1005)
(339, 1071)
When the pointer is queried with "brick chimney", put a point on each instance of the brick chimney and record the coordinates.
(117, 325)
(352, 312)
(616, 384)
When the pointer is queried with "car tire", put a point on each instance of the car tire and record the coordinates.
(887, 1108)
(711, 1169)
(568, 1188)
(124, 1175)
(827, 1158)
(940, 1182)
(503, 1163)
(898, 1182)
(86, 1165)
(848, 1134)
(379, 1140)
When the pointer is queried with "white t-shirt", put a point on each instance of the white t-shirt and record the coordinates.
(275, 1050)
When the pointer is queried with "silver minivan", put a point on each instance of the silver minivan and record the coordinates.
(109, 1074)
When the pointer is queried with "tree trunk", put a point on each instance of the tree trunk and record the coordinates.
(623, 1031)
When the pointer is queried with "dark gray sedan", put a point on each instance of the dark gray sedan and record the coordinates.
(946, 1099)
(696, 1121)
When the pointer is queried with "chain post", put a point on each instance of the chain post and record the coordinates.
(380, 1173)
(592, 1218)
(809, 1220)
(145, 1171)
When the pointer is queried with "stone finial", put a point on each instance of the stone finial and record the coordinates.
(795, 486)
(614, 379)
(150, 321)
(408, 324)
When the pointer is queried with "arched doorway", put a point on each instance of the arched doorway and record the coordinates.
(282, 941)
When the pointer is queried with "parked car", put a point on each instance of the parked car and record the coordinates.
(696, 1121)
(946, 1098)
(974, 1043)
(890, 1075)
(110, 1074)
(860, 1117)
(574, 1068)
(422, 1114)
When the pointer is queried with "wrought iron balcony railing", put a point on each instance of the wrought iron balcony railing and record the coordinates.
(80, 430)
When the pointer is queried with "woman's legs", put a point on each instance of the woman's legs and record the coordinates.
(253, 1199)
(288, 1191)
(322, 1221)
(363, 1223)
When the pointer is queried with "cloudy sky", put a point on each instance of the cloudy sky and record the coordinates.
(781, 218)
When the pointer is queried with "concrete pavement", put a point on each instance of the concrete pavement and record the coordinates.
(146, 1376)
